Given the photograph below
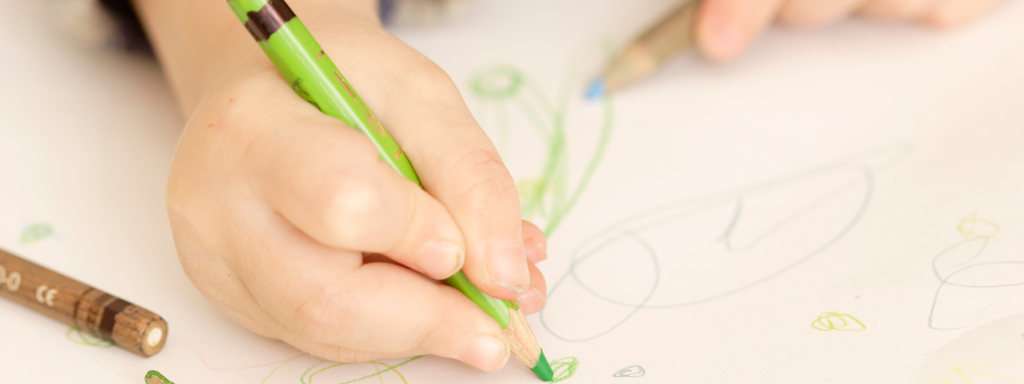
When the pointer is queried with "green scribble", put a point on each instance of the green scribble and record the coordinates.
(546, 195)
(390, 368)
(972, 227)
(498, 83)
(279, 367)
(564, 368)
(834, 321)
(969, 372)
(76, 335)
(309, 373)
(36, 232)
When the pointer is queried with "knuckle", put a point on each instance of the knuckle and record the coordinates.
(481, 180)
(427, 78)
(355, 208)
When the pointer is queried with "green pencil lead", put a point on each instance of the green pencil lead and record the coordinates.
(543, 369)
(154, 377)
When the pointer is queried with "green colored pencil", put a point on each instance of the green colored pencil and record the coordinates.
(313, 75)
(154, 377)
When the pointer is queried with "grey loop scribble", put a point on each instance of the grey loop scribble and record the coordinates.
(631, 227)
(630, 371)
(945, 280)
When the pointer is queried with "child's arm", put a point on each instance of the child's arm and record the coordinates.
(727, 27)
(273, 204)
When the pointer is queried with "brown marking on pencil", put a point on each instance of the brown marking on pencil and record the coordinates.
(399, 153)
(320, 55)
(345, 84)
(375, 124)
(100, 314)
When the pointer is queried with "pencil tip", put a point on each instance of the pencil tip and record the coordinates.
(543, 369)
(154, 377)
(596, 89)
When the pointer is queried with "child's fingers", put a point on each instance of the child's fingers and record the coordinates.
(535, 243)
(808, 13)
(947, 13)
(465, 172)
(896, 9)
(459, 166)
(380, 308)
(941, 13)
(327, 180)
(341, 354)
(726, 27)
(536, 297)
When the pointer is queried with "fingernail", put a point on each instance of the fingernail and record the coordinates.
(724, 37)
(535, 250)
(532, 301)
(507, 268)
(440, 259)
(487, 353)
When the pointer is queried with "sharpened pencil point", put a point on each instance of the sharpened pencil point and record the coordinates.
(543, 369)
(154, 377)
(596, 89)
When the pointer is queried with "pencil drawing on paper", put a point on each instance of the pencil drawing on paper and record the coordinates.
(630, 371)
(324, 371)
(712, 246)
(972, 372)
(834, 321)
(76, 335)
(970, 282)
(505, 93)
(35, 232)
(308, 369)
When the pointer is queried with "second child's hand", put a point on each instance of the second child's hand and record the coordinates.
(725, 28)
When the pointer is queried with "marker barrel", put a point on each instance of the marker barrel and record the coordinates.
(103, 315)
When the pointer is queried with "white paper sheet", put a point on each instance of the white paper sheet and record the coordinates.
(839, 206)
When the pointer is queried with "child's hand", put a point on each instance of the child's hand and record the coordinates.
(281, 213)
(726, 27)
